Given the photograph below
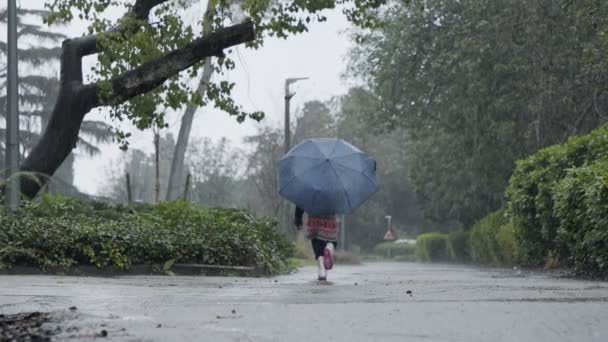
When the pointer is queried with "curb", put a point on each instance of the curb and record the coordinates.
(112, 271)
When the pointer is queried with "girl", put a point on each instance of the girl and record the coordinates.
(323, 234)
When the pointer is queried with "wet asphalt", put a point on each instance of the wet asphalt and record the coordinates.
(371, 302)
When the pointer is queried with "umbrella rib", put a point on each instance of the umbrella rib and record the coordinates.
(347, 155)
(318, 149)
(298, 156)
(355, 170)
(350, 206)
(299, 174)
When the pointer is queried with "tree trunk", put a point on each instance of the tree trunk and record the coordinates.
(61, 134)
(65, 173)
(176, 177)
(76, 99)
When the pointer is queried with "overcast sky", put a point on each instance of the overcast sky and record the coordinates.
(259, 76)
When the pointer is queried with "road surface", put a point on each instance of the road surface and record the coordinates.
(373, 302)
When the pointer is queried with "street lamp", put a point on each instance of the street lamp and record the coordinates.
(288, 96)
(12, 111)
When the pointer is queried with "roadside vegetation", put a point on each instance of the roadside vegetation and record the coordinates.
(56, 233)
(556, 215)
(485, 119)
(503, 107)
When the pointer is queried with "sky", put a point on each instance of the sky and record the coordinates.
(320, 54)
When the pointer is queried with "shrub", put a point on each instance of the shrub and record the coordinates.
(432, 247)
(581, 206)
(392, 249)
(532, 190)
(459, 246)
(492, 240)
(59, 232)
(506, 244)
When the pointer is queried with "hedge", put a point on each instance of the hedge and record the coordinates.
(533, 189)
(558, 205)
(459, 245)
(401, 251)
(581, 208)
(433, 247)
(492, 240)
(59, 232)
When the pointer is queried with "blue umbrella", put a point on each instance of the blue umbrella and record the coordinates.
(327, 176)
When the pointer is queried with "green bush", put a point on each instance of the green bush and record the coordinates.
(59, 232)
(533, 189)
(392, 249)
(459, 246)
(484, 245)
(432, 247)
(558, 203)
(492, 240)
(581, 206)
(506, 244)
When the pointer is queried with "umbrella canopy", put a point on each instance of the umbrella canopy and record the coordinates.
(327, 176)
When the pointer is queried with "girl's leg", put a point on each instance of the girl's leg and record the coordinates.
(318, 246)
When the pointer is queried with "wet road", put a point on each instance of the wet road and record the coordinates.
(361, 303)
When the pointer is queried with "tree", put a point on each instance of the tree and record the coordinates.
(176, 177)
(396, 196)
(478, 85)
(141, 168)
(38, 93)
(216, 170)
(140, 63)
(345, 118)
(315, 120)
(35, 91)
(267, 147)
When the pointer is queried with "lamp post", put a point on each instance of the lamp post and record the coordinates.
(12, 111)
(288, 96)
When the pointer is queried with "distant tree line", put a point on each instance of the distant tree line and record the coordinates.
(224, 176)
(477, 85)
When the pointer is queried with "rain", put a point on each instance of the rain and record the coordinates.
(343, 170)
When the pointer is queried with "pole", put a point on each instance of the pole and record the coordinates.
(12, 111)
(288, 97)
(156, 162)
(129, 194)
(187, 187)
(343, 233)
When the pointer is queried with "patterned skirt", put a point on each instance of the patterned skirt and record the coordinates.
(322, 227)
